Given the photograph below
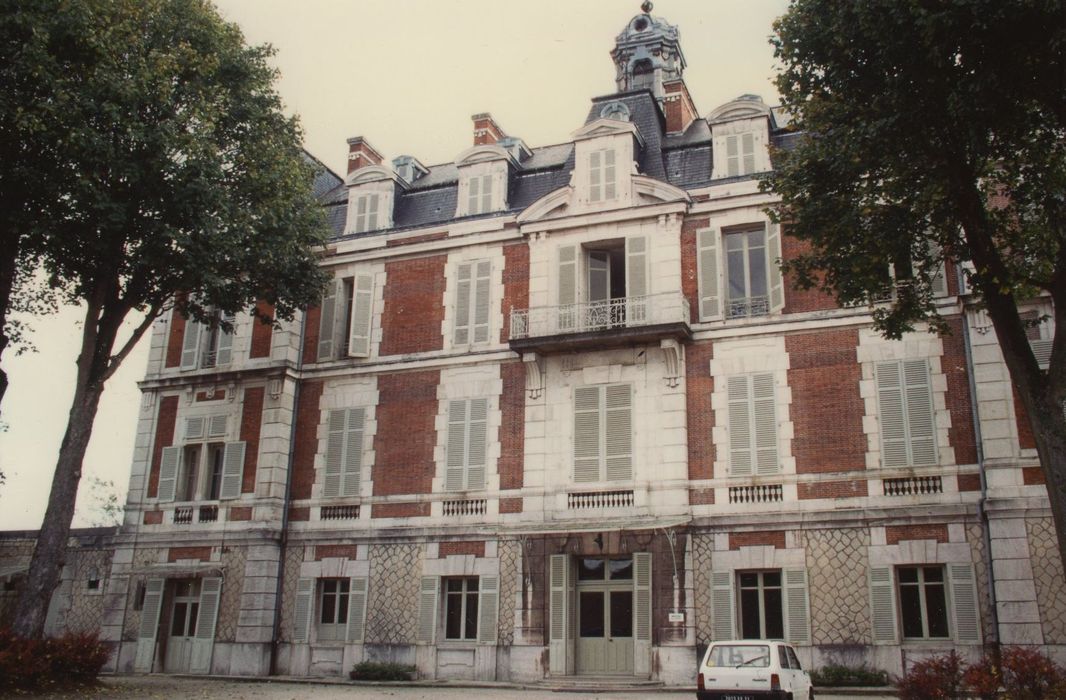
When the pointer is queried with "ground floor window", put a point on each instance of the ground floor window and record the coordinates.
(923, 606)
(333, 608)
(760, 602)
(460, 608)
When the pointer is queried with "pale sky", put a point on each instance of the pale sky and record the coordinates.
(406, 75)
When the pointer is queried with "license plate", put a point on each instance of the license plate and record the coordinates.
(738, 697)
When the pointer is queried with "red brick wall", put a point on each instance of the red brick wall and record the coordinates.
(312, 322)
(239, 513)
(335, 551)
(176, 553)
(447, 549)
(690, 278)
(831, 489)
(512, 425)
(251, 422)
(261, 332)
(308, 415)
(302, 514)
(515, 283)
(510, 505)
(701, 497)
(679, 110)
(1033, 476)
(800, 300)
(826, 409)
(399, 510)
(894, 534)
(410, 240)
(174, 339)
(961, 434)
(219, 395)
(1026, 440)
(969, 482)
(775, 538)
(699, 386)
(414, 306)
(406, 434)
(164, 437)
(153, 517)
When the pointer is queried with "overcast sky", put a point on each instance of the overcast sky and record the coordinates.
(406, 75)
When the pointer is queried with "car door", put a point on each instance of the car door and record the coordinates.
(801, 679)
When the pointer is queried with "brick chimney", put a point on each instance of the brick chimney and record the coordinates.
(361, 154)
(677, 106)
(486, 131)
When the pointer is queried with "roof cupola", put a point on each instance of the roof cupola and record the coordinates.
(647, 54)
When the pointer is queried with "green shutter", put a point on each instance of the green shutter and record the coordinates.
(224, 351)
(964, 603)
(331, 482)
(741, 458)
(618, 432)
(326, 326)
(637, 279)
(558, 614)
(595, 176)
(894, 451)
(567, 292)
(921, 422)
(732, 157)
(482, 301)
(642, 596)
(463, 275)
(764, 414)
(773, 264)
(190, 345)
(476, 443)
(609, 179)
(588, 410)
(352, 464)
(361, 313)
(748, 150)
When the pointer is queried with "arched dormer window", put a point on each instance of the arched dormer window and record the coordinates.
(615, 110)
(643, 75)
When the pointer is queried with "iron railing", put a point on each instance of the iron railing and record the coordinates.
(623, 312)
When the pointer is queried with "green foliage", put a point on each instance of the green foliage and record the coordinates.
(382, 671)
(105, 508)
(838, 675)
(1021, 673)
(936, 678)
(68, 661)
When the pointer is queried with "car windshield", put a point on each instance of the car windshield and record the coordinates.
(751, 655)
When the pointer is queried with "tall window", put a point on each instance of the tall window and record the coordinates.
(603, 433)
(344, 452)
(761, 601)
(333, 608)
(206, 344)
(908, 425)
(366, 212)
(467, 434)
(460, 608)
(479, 197)
(601, 175)
(740, 154)
(752, 425)
(923, 607)
(473, 302)
(747, 274)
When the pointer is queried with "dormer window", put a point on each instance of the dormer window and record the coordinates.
(615, 110)
(480, 195)
(602, 179)
(366, 212)
(740, 154)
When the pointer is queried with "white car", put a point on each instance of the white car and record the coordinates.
(750, 669)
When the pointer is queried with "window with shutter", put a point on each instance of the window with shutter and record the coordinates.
(301, 614)
(344, 452)
(473, 302)
(359, 324)
(908, 425)
(1038, 331)
(707, 264)
(333, 612)
(357, 609)
(427, 610)
(602, 175)
(722, 605)
(203, 642)
(466, 445)
(747, 273)
(366, 212)
(761, 604)
(479, 195)
(923, 602)
(752, 425)
(603, 433)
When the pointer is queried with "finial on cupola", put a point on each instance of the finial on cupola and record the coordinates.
(646, 6)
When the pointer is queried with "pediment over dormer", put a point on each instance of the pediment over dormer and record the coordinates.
(652, 191)
(483, 154)
(605, 126)
(552, 205)
(560, 203)
(372, 173)
(744, 107)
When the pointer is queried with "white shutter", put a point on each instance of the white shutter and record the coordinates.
(748, 150)
(356, 609)
(557, 614)
(427, 610)
(467, 433)
(207, 616)
(642, 596)
(481, 301)
(773, 265)
(964, 603)
(327, 324)
(360, 213)
(153, 604)
(486, 193)
(361, 312)
(890, 405)
(456, 462)
(216, 425)
(353, 452)
(618, 432)
(232, 471)
(194, 427)
(938, 280)
(732, 157)
(741, 459)
(476, 447)
(921, 423)
(487, 609)
(882, 605)
(473, 194)
(608, 174)
(463, 275)
(301, 614)
(797, 618)
(372, 212)
(722, 605)
(224, 351)
(707, 264)
(190, 345)
(588, 410)
(1042, 352)
(764, 411)
(331, 482)
(595, 176)
(567, 287)
(636, 279)
(168, 473)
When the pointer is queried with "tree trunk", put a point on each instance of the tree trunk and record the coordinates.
(1049, 427)
(8, 262)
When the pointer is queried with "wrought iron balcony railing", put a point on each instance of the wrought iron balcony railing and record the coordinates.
(623, 312)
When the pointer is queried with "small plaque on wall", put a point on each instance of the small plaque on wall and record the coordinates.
(676, 617)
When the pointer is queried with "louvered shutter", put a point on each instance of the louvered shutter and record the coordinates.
(938, 281)
(964, 603)
(642, 596)
(467, 434)
(741, 459)
(636, 279)
(732, 156)
(477, 433)
(372, 212)
(1042, 351)
(890, 405)
(747, 143)
(331, 483)
(722, 605)
(473, 194)
(361, 312)
(232, 471)
(557, 613)
(168, 473)
(481, 302)
(356, 609)
(224, 352)
(326, 326)
(207, 616)
(360, 213)
(920, 420)
(463, 275)
(352, 464)
(707, 261)
(190, 345)
(427, 610)
(146, 635)
(595, 176)
(487, 609)
(882, 605)
(456, 462)
(608, 175)
(773, 265)
(301, 614)
(194, 427)
(567, 287)
(216, 425)
(486, 193)
(797, 618)
(765, 414)
(588, 409)
(618, 432)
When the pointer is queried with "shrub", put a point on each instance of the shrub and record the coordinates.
(69, 660)
(936, 678)
(839, 675)
(982, 679)
(1028, 674)
(379, 671)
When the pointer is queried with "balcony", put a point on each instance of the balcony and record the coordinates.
(600, 324)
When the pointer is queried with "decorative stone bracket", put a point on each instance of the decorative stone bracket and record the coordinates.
(673, 355)
(534, 374)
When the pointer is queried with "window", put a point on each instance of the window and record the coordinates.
(601, 175)
(204, 467)
(333, 609)
(472, 302)
(761, 597)
(346, 316)
(603, 284)
(366, 212)
(603, 433)
(753, 284)
(746, 274)
(197, 460)
(467, 432)
(460, 608)
(740, 154)
(1038, 331)
(344, 452)
(923, 606)
(206, 344)
(479, 196)
(908, 426)
(93, 581)
(752, 425)
(929, 601)
(643, 75)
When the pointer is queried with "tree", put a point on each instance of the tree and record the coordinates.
(178, 182)
(935, 132)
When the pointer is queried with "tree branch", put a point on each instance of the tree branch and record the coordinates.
(138, 332)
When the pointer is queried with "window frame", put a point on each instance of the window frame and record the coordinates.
(470, 588)
(479, 198)
(746, 250)
(922, 587)
(909, 423)
(367, 219)
(761, 589)
(603, 175)
(337, 629)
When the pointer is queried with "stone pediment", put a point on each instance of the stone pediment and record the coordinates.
(607, 127)
(371, 173)
(483, 154)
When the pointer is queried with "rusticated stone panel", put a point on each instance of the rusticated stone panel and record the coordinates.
(142, 559)
(294, 556)
(230, 605)
(702, 546)
(392, 607)
(1049, 579)
(975, 536)
(510, 553)
(836, 571)
(87, 606)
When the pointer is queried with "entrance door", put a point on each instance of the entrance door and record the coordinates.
(183, 617)
(604, 616)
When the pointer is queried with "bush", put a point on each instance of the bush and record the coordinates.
(1028, 674)
(66, 661)
(838, 675)
(378, 671)
(936, 678)
(982, 679)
